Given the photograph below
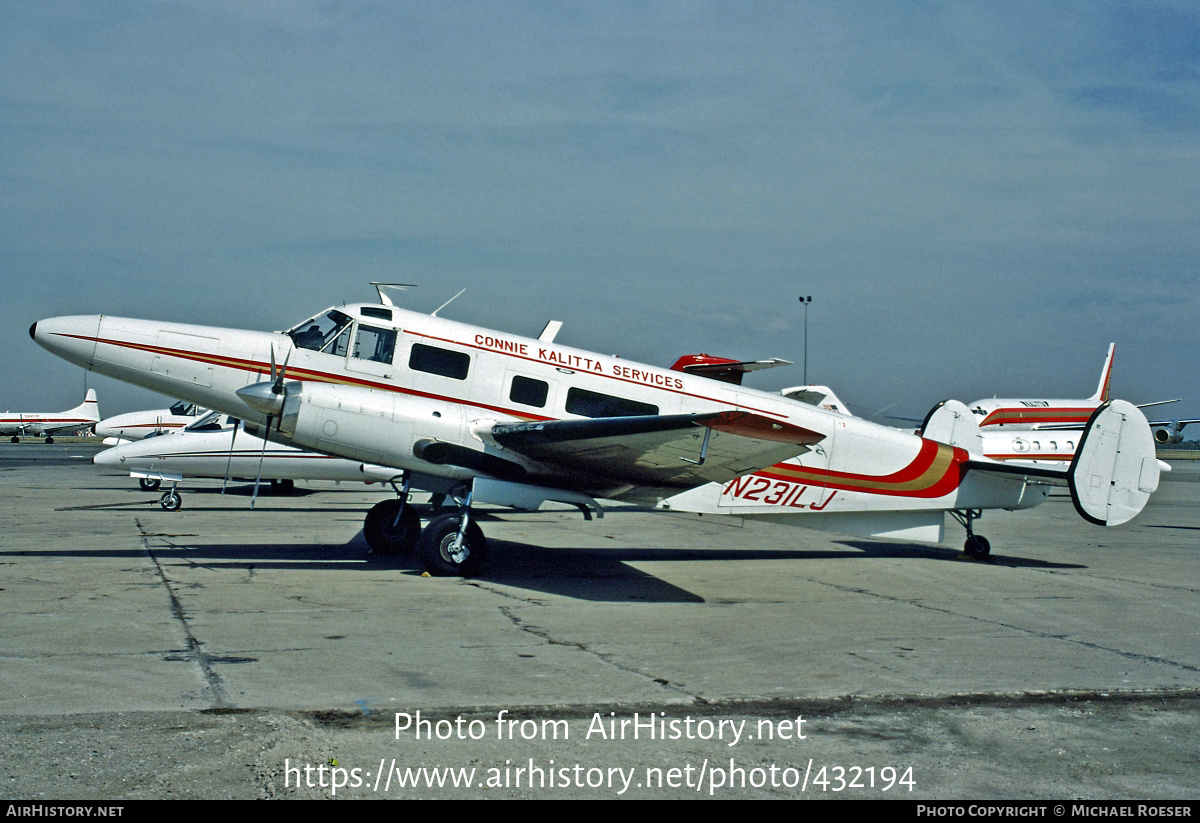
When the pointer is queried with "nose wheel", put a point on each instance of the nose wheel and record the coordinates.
(170, 501)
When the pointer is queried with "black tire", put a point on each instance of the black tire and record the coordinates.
(384, 535)
(49, 440)
(286, 486)
(437, 539)
(170, 501)
(149, 485)
(15, 439)
(977, 547)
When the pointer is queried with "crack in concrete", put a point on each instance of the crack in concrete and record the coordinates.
(1135, 656)
(193, 645)
(544, 635)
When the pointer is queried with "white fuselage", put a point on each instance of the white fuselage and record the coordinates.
(219, 454)
(152, 422)
(449, 382)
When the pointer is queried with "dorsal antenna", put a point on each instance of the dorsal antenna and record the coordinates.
(447, 303)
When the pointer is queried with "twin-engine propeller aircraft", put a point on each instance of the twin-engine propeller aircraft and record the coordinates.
(213, 446)
(48, 424)
(492, 417)
(150, 423)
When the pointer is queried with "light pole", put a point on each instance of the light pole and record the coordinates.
(804, 301)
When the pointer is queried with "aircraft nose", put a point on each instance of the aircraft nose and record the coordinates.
(106, 458)
(71, 338)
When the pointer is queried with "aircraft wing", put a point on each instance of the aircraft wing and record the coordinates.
(55, 428)
(1181, 422)
(648, 454)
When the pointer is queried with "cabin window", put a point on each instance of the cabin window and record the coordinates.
(433, 360)
(377, 313)
(593, 404)
(375, 344)
(529, 392)
(320, 333)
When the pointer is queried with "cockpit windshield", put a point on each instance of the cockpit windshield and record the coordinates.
(319, 333)
(184, 409)
(210, 422)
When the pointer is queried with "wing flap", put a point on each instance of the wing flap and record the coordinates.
(659, 452)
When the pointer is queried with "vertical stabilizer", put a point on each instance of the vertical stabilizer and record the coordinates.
(1101, 395)
(89, 408)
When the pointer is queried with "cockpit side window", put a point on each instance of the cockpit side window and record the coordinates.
(319, 333)
(183, 409)
(375, 344)
(339, 346)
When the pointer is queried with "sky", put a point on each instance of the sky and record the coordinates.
(978, 197)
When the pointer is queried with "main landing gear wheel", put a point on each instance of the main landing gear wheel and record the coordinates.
(170, 501)
(149, 485)
(286, 486)
(15, 439)
(438, 551)
(49, 440)
(387, 535)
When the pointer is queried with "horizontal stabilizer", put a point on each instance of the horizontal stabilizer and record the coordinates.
(1114, 471)
(723, 368)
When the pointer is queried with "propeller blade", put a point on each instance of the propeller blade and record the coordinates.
(279, 388)
(229, 462)
(262, 454)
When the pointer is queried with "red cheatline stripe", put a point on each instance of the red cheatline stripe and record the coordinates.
(1058, 415)
(297, 373)
(934, 472)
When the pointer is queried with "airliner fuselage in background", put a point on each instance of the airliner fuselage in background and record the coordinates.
(48, 424)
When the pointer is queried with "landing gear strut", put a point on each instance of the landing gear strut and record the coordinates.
(393, 526)
(977, 546)
(453, 544)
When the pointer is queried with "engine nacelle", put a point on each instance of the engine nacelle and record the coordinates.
(387, 428)
(1167, 436)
